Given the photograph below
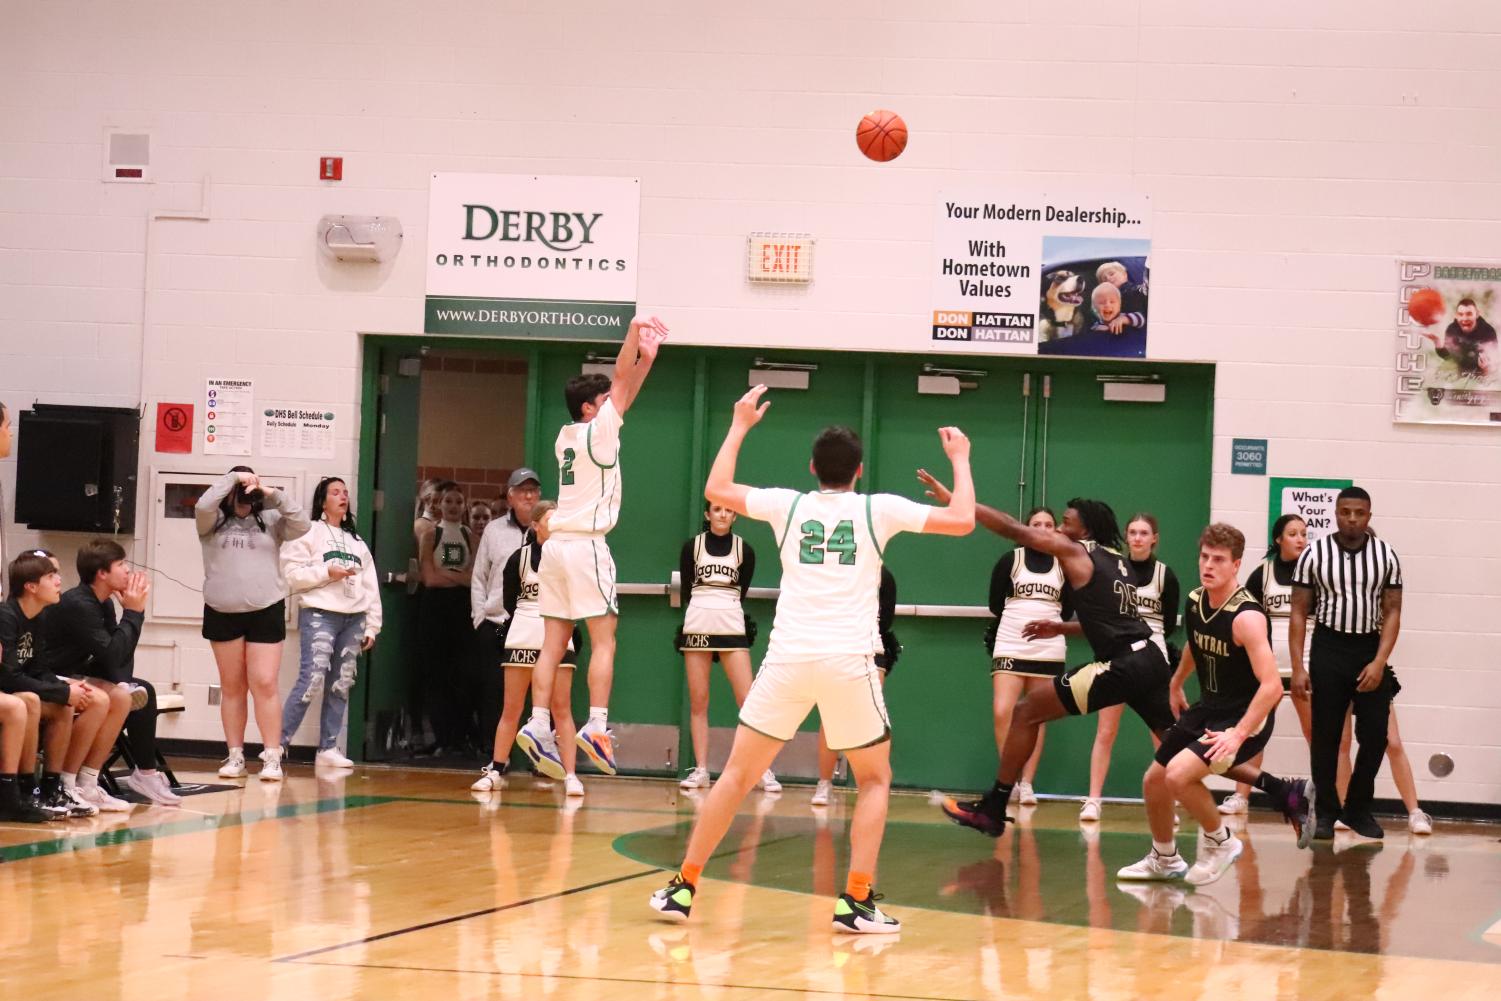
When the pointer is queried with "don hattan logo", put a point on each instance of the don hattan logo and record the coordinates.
(560, 231)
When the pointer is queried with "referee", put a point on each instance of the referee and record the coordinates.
(1351, 583)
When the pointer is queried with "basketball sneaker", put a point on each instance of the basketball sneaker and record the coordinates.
(271, 766)
(1090, 811)
(541, 749)
(594, 740)
(331, 757)
(95, 795)
(1298, 809)
(1155, 866)
(1419, 822)
(572, 786)
(675, 900)
(1214, 861)
(863, 917)
(821, 793)
(769, 783)
(490, 779)
(1234, 805)
(697, 778)
(1024, 794)
(984, 815)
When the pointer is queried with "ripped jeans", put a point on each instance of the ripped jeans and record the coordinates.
(330, 651)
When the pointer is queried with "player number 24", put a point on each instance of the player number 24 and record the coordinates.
(818, 542)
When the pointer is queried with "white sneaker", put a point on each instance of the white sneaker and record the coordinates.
(572, 786)
(1155, 866)
(489, 780)
(271, 770)
(331, 758)
(1419, 822)
(769, 783)
(1213, 861)
(541, 748)
(1024, 794)
(85, 806)
(1234, 805)
(821, 793)
(138, 696)
(96, 795)
(1090, 811)
(234, 765)
(1340, 825)
(697, 778)
(153, 787)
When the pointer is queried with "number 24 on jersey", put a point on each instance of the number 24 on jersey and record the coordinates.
(818, 542)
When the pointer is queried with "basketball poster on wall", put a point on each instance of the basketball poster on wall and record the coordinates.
(1041, 272)
(1448, 363)
(520, 255)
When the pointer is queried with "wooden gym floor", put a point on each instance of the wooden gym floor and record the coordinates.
(397, 884)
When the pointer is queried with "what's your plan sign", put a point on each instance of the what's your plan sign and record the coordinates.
(520, 255)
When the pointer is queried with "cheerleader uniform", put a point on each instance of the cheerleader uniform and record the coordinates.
(716, 573)
(522, 640)
(1027, 586)
(1157, 601)
(1271, 583)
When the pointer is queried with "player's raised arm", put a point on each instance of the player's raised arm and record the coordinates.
(721, 488)
(1043, 540)
(634, 361)
(957, 516)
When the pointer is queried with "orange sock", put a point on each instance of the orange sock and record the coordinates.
(689, 873)
(858, 885)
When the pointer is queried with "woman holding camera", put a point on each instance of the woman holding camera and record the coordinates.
(242, 526)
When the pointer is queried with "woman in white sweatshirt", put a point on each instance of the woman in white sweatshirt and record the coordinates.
(331, 571)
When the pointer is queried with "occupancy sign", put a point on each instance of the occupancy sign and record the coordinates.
(1018, 271)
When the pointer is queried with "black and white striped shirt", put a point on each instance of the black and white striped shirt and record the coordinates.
(1347, 583)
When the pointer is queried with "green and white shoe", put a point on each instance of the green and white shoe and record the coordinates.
(863, 917)
(675, 900)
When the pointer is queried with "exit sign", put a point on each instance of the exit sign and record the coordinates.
(780, 258)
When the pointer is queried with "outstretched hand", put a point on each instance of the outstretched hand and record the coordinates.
(747, 413)
(651, 333)
(937, 490)
(955, 443)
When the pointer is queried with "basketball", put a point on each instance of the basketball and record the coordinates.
(882, 135)
(1426, 307)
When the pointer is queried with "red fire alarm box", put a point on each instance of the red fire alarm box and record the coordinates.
(331, 168)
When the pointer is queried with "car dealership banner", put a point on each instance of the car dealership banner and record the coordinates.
(1448, 367)
(518, 255)
(1017, 271)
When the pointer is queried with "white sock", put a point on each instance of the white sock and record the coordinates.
(1218, 837)
(1167, 849)
(599, 714)
(542, 717)
(70, 779)
(148, 772)
(88, 777)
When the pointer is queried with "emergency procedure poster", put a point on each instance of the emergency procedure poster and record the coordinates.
(227, 418)
(1041, 272)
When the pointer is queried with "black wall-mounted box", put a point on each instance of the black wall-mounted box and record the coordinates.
(76, 468)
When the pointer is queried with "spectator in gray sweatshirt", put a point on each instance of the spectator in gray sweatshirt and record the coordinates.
(242, 525)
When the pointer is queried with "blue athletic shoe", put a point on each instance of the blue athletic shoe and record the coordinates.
(541, 750)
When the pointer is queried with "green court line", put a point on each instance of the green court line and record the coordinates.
(129, 835)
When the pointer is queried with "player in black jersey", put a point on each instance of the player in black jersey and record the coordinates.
(1229, 646)
(1128, 667)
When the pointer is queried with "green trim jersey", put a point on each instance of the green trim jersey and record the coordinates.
(831, 547)
(588, 455)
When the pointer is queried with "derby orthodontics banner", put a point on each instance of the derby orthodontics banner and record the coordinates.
(1448, 365)
(517, 255)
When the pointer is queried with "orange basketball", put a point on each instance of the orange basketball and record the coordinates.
(882, 135)
(1426, 306)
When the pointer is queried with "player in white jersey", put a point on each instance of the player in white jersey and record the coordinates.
(577, 576)
(824, 639)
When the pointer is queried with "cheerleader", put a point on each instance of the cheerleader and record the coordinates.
(716, 568)
(520, 642)
(1026, 588)
(1271, 583)
(1158, 600)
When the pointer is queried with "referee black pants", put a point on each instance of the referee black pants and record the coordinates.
(1335, 663)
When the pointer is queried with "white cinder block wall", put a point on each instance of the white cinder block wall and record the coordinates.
(1291, 150)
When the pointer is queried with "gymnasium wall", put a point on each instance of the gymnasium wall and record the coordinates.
(1291, 151)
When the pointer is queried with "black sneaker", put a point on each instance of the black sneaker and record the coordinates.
(16, 810)
(863, 917)
(1364, 825)
(980, 814)
(60, 800)
(1323, 829)
(675, 900)
(52, 811)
